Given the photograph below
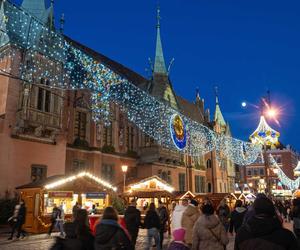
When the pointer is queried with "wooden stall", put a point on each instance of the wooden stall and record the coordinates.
(65, 191)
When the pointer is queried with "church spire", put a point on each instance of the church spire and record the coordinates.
(159, 64)
(35, 7)
(218, 114)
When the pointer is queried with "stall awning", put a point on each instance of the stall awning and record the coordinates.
(150, 184)
(57, 181)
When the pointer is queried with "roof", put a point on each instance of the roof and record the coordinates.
(190, 109)
(127, 73)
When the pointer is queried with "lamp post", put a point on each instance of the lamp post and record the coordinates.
(124, 170)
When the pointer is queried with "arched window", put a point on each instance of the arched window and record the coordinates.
(208, 163)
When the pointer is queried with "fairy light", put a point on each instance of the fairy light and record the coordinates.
(146, 183)
(80, 175)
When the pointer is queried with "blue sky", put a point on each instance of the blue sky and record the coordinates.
(243, 47)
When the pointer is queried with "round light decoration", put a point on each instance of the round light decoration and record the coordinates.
(178, 131)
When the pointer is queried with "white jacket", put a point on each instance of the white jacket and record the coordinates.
(177, 215)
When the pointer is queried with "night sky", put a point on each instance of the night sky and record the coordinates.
(243, 47)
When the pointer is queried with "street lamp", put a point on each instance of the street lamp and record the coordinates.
(124, 170)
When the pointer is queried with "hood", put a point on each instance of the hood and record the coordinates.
(262, 225)
(240, 209)
(105, 231)
(191, 210)
(180, 208)
(208, 221)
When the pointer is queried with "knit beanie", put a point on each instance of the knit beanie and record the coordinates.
(178, 234)
(264, 205)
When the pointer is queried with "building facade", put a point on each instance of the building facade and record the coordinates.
(46, 132)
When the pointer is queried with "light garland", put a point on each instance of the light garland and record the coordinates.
(47, 54)
(80, 175)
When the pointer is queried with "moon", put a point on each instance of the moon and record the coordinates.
(244, 104)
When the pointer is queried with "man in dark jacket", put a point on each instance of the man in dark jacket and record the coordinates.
(132, 218)
(264, 230)
(237, 216)
(164, 217)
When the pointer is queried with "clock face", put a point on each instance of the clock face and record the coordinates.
(178, 131)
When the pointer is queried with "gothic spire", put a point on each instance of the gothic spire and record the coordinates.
(218, 114)
(35, 7)
(159, 64)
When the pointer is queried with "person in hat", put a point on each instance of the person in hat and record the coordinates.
(264, 230)
(178, 240)
(188, 220)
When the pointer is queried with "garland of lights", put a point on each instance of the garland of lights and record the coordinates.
(68, 67)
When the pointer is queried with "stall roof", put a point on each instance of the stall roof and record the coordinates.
(59, 180)
(160, 183)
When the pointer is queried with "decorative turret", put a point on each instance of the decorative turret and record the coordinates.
(218, 118)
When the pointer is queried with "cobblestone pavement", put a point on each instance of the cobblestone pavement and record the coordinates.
(43, 242)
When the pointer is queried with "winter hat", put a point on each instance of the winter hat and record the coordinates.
(195, 203)
(208, 209)
(264, 205)
(178, 234)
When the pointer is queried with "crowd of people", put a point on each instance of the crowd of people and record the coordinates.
(194, 226)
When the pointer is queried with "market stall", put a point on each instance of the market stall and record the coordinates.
(64, 191)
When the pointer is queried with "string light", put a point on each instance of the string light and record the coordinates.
(49, 55)
(146, 183)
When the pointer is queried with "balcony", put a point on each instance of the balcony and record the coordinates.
(156, 153)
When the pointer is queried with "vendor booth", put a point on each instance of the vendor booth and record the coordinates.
(64, 191)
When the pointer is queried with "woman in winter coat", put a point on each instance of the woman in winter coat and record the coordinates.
(188, 220)
(152, 224)
(237, 217)
(208, 232)
(78, 234)
(109, 233)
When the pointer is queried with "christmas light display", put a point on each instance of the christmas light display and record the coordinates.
(47, 54)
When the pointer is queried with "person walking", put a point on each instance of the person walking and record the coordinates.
(132, 219)
(109, 233)
(164, 218)
(54, 215)
(178, 240)
(264, 230)
(237, 217)
(60, 221)
(18, 219)
(75, 208)
(208, 232)
(152, 224)
(78, 234)
(177, 214)
(188, 220)
(223, 213)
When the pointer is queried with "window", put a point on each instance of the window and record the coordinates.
(261, 171)
(78, 165)
(44, 97)
(80, 125)
(107, 135)
(208, 163)
(221, 187)
(209, 187)
(107, 172)
(199, 184)
(38, 172)
(130, 138)
(249, 172)
(255, 172)
(181, 182)
(225, 187)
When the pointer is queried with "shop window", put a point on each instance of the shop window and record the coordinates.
(38, 172)
(208, 163)
(199, 184)
(209, 187)
(44, 96)
(107, 172)
(78, 165)
(181, 177)
(80, 125)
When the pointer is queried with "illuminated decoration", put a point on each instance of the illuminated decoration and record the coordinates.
(152, 183)
(80, 175)
(48, 54)
(178, 131)
(297, 169)
(264, 134)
